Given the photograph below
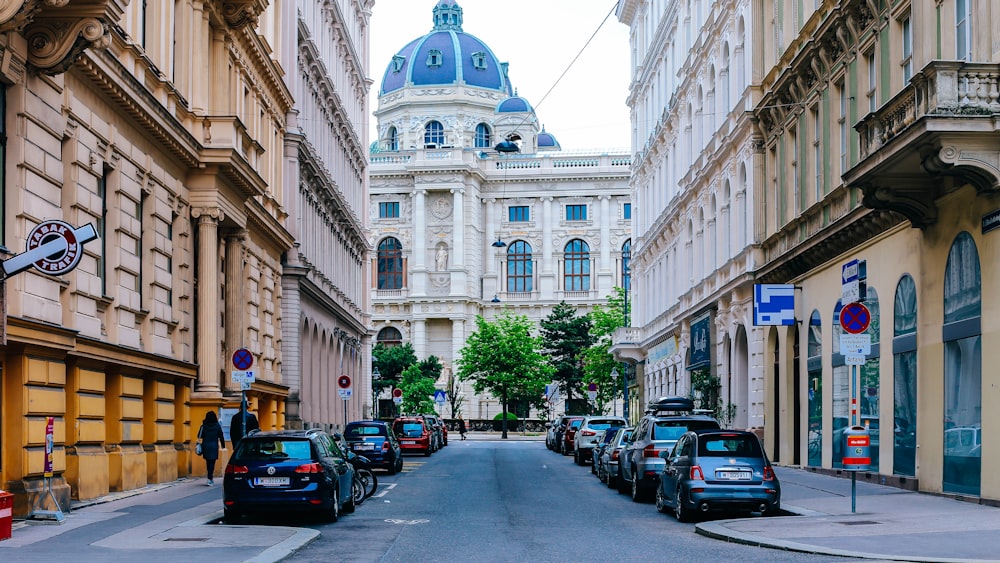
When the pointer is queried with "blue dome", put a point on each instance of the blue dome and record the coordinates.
(446, 56)
(547, 141)
(514, 104)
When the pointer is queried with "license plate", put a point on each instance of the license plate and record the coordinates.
(408, 442)
(364, 446)
(271, 481)
(733, 475)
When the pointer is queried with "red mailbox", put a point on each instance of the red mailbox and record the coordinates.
(6, 515)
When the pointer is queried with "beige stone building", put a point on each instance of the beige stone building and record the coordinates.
(165, 126)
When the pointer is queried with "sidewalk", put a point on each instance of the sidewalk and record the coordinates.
(889, 523)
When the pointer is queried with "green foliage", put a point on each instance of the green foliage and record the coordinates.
(503, 357)
(705, 391)
(391, 362)
(455, 400)
(565, 335)
(418, 391)
(598, 362)
(431, 367)
(510, 416)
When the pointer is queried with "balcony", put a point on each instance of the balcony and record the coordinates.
(937, 134)
(626, 345)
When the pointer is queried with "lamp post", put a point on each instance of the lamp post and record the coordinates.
(614, 379)
(376, 376)
(626, 286)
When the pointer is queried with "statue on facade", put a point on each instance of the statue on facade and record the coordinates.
(441, 258)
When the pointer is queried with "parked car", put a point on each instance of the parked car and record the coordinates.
(604, 437)
(436, 435)
(717, 470)
(586, 436)
(608, 469)
(439, 429)
(566, 444)
(293, 470)
(666, 420)
(553, 436)
(375, 440)
(415, 436)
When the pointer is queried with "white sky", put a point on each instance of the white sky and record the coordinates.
(539, 38)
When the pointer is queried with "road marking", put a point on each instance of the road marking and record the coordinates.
(386, 488)
(409, 466)
(407, 522)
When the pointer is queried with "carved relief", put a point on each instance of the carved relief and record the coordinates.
(441, 207)
(54, 45)
(240, 13)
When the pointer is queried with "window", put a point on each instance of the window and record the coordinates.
(102, 228)
(397, 63)
(483, 137)
(576, 212)
(904, 407)
(627, 266)
(389, 337)
(518, 214)
(842, 121)
(390, 264)
(392, 140)
(906, 29)
(872, 82)
(434, 58)
(963, 36)
(479, 60)
(814, 362)
(433, 135)
(519, 267)
(388, 210)
(3, 168)
(817, 156)
(576, 273)
(627, 211)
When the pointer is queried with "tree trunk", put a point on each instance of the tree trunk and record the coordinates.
(503, 424)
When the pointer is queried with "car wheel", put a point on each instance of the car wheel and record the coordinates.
(427, 452)
(334, 513)
(351, 504)
(680, 512)
(576, 457)
(232, 516)
(392, 467)
(661, 503)
(593, 468)
(399, 464)
(636, 493)
(621, 482)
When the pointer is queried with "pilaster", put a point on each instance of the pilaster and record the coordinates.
(235, 302)
(208, 299)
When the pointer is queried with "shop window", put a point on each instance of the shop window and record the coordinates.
(904, 360)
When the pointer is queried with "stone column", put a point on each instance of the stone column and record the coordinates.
(546, 234)
(605, 234)
(419, 230)
(208, 298)
(419, 338)
(235, 303)
(458, 250)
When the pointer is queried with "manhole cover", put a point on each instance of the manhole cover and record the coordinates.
(859, 523)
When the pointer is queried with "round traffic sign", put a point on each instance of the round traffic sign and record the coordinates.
(591, 387)
(68, 251)
(855, 318)
(344, 382)
(242, 359)
(397, 393)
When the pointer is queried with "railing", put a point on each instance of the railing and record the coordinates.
(390, 159)
(390, 292)
(944, 88)
(561, 160)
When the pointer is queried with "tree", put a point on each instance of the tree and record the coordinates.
(503, 357)
(418, 391)
(454, 399)
(565, 335)
(598, 362)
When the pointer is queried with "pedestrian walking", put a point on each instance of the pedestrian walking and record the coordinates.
(211, 440)
(236, 426)
(461, 427)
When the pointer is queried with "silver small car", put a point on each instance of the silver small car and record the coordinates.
(586, 436)
(608, 468)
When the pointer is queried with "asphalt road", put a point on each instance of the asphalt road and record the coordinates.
(490, 501)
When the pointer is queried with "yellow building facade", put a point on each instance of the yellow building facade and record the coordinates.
(168, 139)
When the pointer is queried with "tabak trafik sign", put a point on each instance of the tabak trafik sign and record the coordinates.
(53, 247)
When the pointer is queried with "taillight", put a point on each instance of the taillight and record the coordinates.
(614, 455)
(588, 433)
(650, 451)
(385, 446)
(309, 468)
(696, 474)
(768, 473)
(236, 469)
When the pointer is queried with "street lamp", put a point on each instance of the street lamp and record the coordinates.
(614, 379)
(626, 286)
(376, 376)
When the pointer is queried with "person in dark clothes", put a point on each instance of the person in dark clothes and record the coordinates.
(461, 427)
(212, 440)
(236, 432)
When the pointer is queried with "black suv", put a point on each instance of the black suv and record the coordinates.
(292, 470)
(665, 421)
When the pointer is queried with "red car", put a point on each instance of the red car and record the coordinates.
(414, 435)
(572, 425)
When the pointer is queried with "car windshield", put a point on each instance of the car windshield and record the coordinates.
(729, 445)
(359, 431)
(410, 429)
(602, 424)
(674, 429)
(609, 435)
(274, 449)
(575, 423)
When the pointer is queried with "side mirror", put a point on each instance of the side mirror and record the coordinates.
(665, 454)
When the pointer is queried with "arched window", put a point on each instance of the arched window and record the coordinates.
(869, 377)
(576, 273)
(814, 362)
(483, 138)
(840, 390)
(519, 267)
(904, 406)
(963, 401)
(627, 265)
(389, 337)
(390, 264)
(392, 140)
(433, 134)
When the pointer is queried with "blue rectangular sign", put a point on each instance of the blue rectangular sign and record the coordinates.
(773, 305)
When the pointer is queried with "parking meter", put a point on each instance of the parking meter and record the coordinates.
(857, 449)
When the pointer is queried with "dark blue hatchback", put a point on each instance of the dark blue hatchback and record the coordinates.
(375, 440)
